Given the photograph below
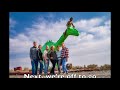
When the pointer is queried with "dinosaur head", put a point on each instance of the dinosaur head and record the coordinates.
(72, 31)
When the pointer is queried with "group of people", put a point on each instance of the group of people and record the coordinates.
(59, 57)
(50, 54)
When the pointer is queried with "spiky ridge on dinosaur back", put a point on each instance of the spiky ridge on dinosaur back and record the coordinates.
(49, 43)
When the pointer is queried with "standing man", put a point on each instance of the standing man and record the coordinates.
(46, 60)
(40, 59)
(64, 57)
(34, 58)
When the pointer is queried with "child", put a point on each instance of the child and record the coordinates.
(69, 23)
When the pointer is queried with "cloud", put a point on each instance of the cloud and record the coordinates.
(85, 24)
(12, 23)
(92, 46)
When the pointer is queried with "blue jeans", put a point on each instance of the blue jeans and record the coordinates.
(64, 65)
(59, 64)
(46, 65)
(34, 64)
(41, 67)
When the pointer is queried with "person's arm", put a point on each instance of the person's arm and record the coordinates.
(38, 54)
(48, 54)
(62, 54)
(67, 53)
(41, 55)
(55, 55)
(44, 56)
(73, 25)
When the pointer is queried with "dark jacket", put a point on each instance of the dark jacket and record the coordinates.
(40, 55)
(52, 54)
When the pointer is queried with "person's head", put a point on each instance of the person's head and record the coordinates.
(34, 44)
(40, 46)
(71, 18)
(63, 45)
(52, 48)
(47, 47)
(58, 48)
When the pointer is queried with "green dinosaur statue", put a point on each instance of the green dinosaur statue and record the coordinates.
(70, 31)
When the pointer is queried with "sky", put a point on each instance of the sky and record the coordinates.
(92, 46)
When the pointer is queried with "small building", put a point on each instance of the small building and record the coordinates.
(18, 68)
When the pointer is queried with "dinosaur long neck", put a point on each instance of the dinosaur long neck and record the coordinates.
(61, 40)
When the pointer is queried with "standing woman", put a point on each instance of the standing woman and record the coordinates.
(53, 57)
